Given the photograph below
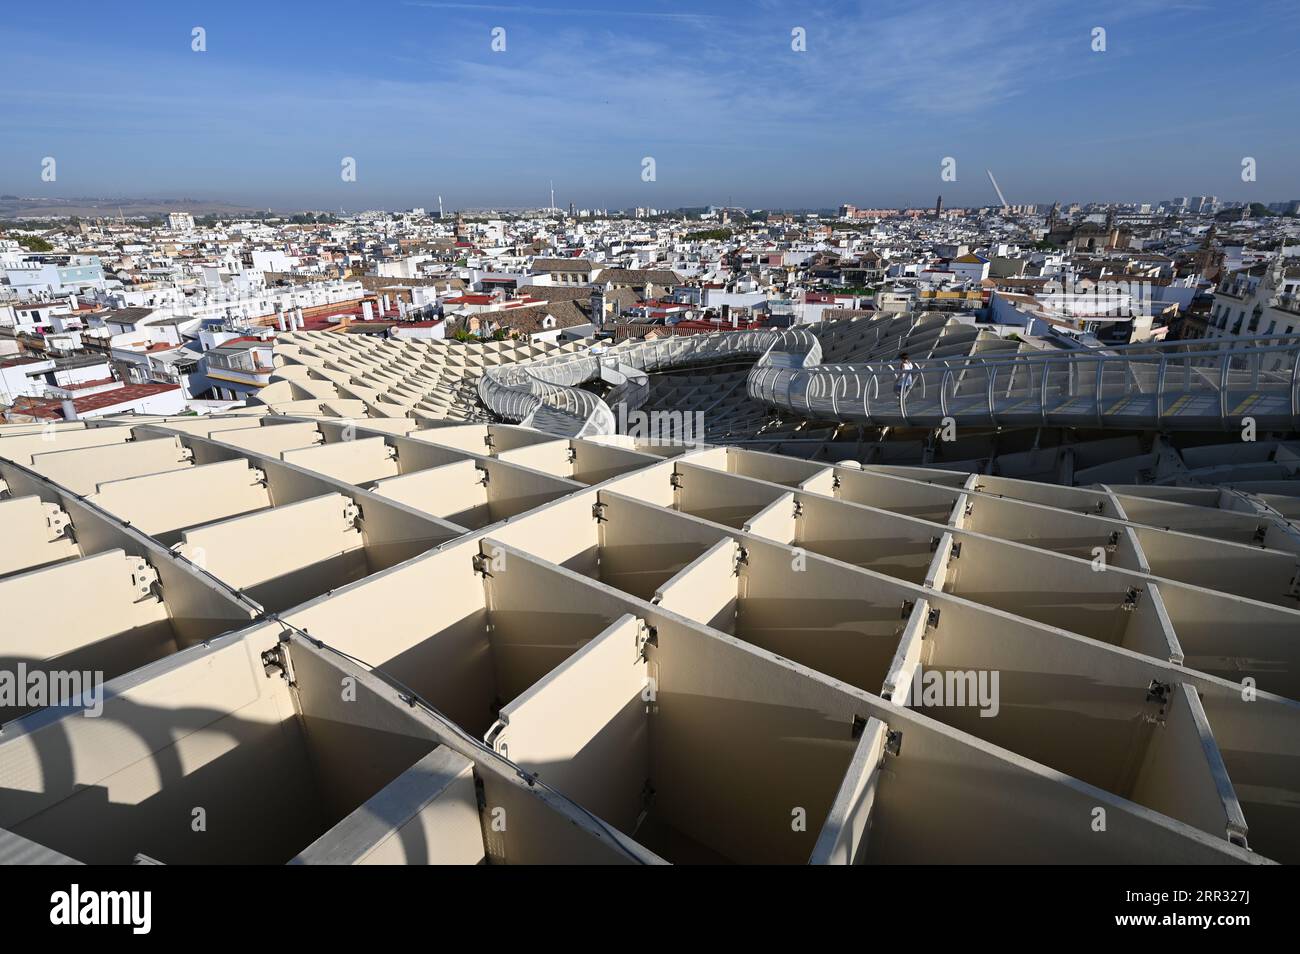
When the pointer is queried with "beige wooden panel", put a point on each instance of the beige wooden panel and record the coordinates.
(1057, 700)
(214, 732)
(356, 739)
(822, 482)
(788, 471)
(1183, 774)
(513, 490)
(843, 838)
(550, 457)
(1205, 521)
(928, 811)
(539, 615)
(428, 815)
(202, 426)
(53, 611)
(160, 503)
(434, 632)
(452, 491)
(506, 438)
(776, 521)
(911, 498)
(721, 498)
(335, 429)
(1235, 638)
(725, 716)
(563, 532)
(594, 462)
(1151, 631)
(820, 614)
(16, 430)
(705, 589)
(1260, 744)
(583, 727)
(81, 471)
(20, 449)
(464, 437)
(642, 547)
(273, 439)
(1248, 571)
(84, 616)
(912, 647)
(1059, 531)
(1076, 499)
(1056, 590)
(357, 461)
(877, 540)
(258, 547)
(31, 531)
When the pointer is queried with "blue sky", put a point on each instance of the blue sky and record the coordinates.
(713, 91)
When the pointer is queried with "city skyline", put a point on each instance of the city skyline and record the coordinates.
(728, 109)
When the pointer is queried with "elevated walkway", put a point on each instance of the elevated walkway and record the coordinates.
(1188, 385)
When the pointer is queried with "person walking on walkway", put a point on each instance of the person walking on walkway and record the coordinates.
(906, 376)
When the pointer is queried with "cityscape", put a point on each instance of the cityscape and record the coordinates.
(947, 514)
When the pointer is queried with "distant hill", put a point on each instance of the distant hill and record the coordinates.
(90, 207)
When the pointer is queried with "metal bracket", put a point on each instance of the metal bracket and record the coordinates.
(1261, 534)
(675, 480)
(258, 475)
(932, 618)
(934, 543)
(598, 512)
(276, 660)
(1131, 599)
(956, 551)
(488, 442)
(739, 558)
(908, 605)
(572, 455)
(970, 508)
(647, 800)
(187, 454)
(351, 514)
(1112, 542)
(143, 579)
(859, 726)
(4, 488)
(894, 742)
(56, 518)
(483, 481)
(646, 635)
(390, 452)
(481, 562)
(835, 482)
(798, 509)
(1293, 589)
(1158, 692)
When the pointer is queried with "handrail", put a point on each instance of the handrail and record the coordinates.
(788, 375)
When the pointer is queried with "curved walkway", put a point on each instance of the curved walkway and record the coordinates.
(1191, 385)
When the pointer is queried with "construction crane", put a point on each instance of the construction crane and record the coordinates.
(1001, 197)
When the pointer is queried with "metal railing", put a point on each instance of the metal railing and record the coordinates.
(1198, 384)
(1184, 385)
(516, 392)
